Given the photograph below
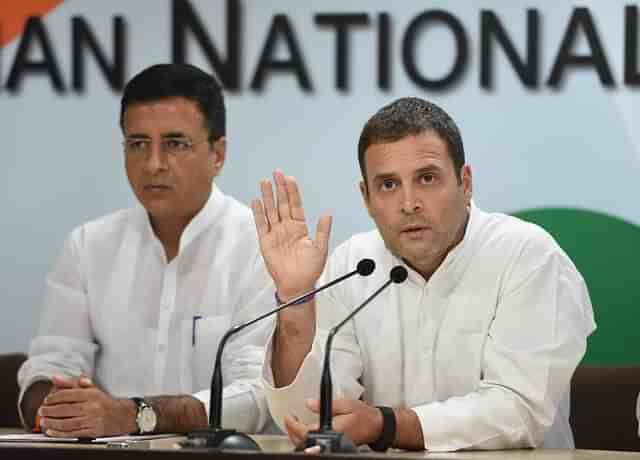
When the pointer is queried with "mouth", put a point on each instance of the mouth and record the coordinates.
(157, 188)
(414, 231)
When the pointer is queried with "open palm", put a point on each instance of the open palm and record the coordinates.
(293, 258)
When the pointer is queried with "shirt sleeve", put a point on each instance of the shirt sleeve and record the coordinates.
(346, 366)
(65, 344)
(536, 340)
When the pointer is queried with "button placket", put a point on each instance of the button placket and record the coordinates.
(167, 302)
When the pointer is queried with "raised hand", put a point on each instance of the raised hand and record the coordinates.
(293, 258)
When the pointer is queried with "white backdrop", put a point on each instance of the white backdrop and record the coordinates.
(575, 146)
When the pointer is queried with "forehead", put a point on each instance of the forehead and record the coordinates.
(407, 155)
(162, 115)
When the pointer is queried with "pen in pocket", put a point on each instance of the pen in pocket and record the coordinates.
(193, 329)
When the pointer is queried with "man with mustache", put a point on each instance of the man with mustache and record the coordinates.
(475, 350)
(139, 299)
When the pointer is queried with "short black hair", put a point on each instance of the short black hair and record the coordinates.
(162, 81)
(411, 116)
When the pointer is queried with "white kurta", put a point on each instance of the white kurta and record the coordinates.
(483, 352)
(115, 310)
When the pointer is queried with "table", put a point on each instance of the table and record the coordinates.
(275, 448)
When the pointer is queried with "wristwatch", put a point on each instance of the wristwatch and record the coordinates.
(146, 417)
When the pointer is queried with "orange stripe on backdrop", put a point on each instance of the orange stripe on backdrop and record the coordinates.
(14, 14)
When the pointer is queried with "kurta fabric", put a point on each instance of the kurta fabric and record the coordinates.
(483, 351)
(115, 310)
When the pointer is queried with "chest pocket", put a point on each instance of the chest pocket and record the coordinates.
(200, 340)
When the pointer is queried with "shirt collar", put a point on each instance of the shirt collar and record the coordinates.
(209, 213)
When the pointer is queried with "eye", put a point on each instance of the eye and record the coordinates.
(137, 145)
(177, 144)
(388, 185)
(427, 178)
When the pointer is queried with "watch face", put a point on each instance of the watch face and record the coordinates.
(147, 420)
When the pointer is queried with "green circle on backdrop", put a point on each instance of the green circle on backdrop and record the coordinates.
(605, 250)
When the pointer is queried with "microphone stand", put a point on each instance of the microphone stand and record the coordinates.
(329, 440)
(214, 436)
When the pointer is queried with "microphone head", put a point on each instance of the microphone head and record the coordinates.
(366, 267)
(398, 274)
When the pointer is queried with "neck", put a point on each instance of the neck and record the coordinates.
(429, 268)
(169, 232)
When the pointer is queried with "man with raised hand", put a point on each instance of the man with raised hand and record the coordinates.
(475, 350)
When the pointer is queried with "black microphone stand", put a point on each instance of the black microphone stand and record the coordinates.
(331, 441)
(214, 436)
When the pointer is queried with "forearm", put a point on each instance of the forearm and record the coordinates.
(178, 414)
(408, 430)
(292, 342)
(32, 400)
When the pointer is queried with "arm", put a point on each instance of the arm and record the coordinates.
(295, 262)
(86, 411)
(362, 423)
(32, 400)
(65, 344)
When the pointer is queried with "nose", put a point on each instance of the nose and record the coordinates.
(156, 159)
(411, 202)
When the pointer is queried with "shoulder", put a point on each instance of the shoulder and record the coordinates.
(511, 235)
(520, 249)
(106, 228)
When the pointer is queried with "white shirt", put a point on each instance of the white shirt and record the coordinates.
(483, 352)
(117, 311)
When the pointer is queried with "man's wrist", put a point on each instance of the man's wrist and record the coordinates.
(129, 409)
(288, 293)
(388, 432)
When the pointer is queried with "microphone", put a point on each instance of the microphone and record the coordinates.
(214, 435)
(325, 437)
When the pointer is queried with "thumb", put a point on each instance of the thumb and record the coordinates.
(313, 405)
(85, 382)
(343, 406)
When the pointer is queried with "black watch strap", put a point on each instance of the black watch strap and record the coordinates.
(388, 430)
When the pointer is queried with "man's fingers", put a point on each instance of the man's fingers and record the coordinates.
(295, 199)
(63, 382)
(63, 410)
(85, 433)
(323, 232)
(76, 395)
(269, 203)
(313, 405)
(297, 431)
(67, 425)
(262, 225)
(85, 382)
(283, 196)
(343, 406)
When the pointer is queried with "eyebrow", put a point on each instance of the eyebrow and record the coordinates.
(138, 136)
(173, 134)
(169, 135)
(428, 169)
